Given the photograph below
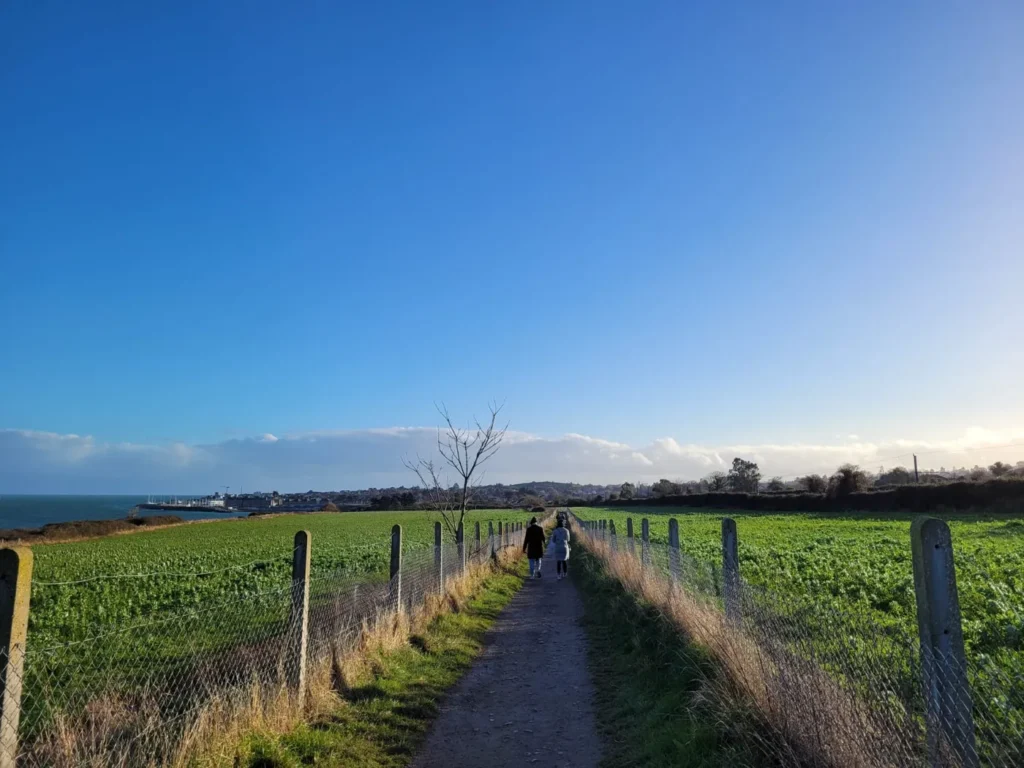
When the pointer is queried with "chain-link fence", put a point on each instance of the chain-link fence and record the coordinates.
(827, 686)
(155, 692)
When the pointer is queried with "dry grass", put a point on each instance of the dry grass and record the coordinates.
(804, 716)
(134, 730)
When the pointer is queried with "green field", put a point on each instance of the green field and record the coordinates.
(845, 583)
(861, 562)
(163, 618)
(146, 575)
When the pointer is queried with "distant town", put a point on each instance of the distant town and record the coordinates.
(401, 497)
(744, 477)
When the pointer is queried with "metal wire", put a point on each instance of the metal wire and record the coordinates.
(830, 686)
(134, 693)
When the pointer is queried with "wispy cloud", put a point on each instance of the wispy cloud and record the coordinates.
(47, 462)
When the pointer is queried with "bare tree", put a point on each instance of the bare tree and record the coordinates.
(464, 451)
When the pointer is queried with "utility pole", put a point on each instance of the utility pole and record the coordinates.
(917, 479)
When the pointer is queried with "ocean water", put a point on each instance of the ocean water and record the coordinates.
(35, 511)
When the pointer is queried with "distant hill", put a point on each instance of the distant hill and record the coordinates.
(496, 494)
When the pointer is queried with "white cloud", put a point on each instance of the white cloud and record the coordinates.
(46, 462)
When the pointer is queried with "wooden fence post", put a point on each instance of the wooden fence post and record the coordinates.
(611, 531)
(645, 540)
(730, 570)
(949, 718)
(15, 591)
(476, 543)
(460, 541)
(630, 541)
(299, 621)
(395, 585)
(490, 536)
(673, 548)
(439, 556)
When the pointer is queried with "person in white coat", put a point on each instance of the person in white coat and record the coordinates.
(560, 548)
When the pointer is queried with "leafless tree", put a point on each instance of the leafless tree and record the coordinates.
(464, 451)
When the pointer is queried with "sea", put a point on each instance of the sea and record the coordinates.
(35, 511)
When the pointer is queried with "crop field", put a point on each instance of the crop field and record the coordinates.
(128, 616)
(850, 580)
(83, 587)
(861, 562)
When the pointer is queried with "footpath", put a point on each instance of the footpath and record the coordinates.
(528, 699)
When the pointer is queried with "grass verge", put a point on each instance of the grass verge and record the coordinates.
(383, 718)
(651, 684)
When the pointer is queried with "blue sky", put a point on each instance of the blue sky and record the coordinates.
(728, 225)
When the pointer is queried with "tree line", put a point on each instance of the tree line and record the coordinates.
(744, 476)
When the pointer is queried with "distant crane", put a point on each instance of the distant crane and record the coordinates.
(226, 489)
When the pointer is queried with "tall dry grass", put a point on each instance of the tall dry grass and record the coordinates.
(794, 712)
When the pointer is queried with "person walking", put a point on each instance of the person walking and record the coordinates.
(560, 549)
(533, 546)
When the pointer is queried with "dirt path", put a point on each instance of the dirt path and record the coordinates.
(528, 699)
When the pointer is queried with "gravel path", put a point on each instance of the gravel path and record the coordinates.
(528, 699)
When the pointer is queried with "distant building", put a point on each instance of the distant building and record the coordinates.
(249, 501)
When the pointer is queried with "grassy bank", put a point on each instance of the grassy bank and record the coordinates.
(651, 683)
(382, 718)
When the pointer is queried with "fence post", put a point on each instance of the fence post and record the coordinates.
(395, 585)
(476, 544)
(949, 718)
(439, 557)
(300, 611)
(15, 591)
(490, 536)
(611, 531)
(460, 540)
(730, 570)
(630, 541)
(673, 548)
(645, 540)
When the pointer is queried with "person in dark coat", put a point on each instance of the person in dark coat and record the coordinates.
(533, 546)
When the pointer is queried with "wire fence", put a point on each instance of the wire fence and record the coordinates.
(829, 686)
(146, 692)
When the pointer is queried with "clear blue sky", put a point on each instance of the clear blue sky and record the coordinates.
(768, 222)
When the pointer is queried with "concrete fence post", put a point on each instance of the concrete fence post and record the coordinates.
(645, 541)
(949, 719)
(299, 619)
(730, 570)
(673, 548)
(630, 540)
(15, 591)
(395, 584)
(611, 532)
(439, 556)
(460, 541)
